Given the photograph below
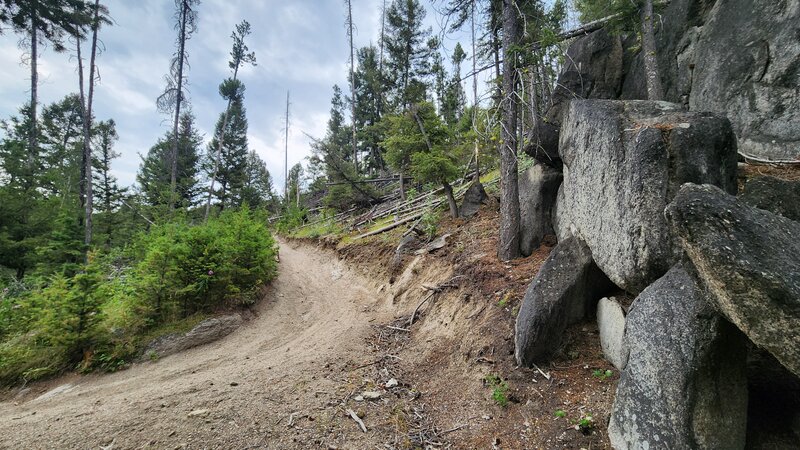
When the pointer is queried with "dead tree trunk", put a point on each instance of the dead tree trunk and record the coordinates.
(32, 132)
(508, 245)
(476, 149)
(352, 82)
(173, 172)
(451, 200)
(654, 89)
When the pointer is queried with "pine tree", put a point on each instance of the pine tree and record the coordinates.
(240, 55)
(257, 188)
(234, 149)
(173, 97)
(99, 17)
(109, 194)
(454, 99)
(50, 20)
(369, 84)
(419, 143)
(155, 171)
(406, 43)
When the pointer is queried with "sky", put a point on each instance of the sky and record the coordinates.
(300, 46)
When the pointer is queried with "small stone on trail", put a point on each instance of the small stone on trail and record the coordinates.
(486, 417)
(391, 383)
(198, 413)
(358, 398)
(371, 395)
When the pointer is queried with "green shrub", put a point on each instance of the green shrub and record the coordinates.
(499, 389)
(99, 318)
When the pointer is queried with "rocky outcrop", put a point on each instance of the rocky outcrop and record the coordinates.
(734, 57)
(564, 292)
(623, 163)
(592, 69)
(684, 385)
(611, 324)
(205, 332)
(538, 187)
(748, 260)
(774, 195)
(473, 199)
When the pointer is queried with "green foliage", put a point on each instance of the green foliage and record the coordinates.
(627, 11)
(154, 175)
(292, 217)
(499, 389)
(560, 413)
(585, 424)
(168, 279)
(602, 375)
(429, 224)
(187, 269)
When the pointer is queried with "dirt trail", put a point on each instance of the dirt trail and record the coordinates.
(294, 357)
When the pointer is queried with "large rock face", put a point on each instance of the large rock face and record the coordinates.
(685, 384)
(734, 57)
(538, 187)
(749, 260)
(623, 163)
(774, 195)
(592, 69)
(564, 292)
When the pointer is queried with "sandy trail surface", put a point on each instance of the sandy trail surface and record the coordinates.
(292, 363)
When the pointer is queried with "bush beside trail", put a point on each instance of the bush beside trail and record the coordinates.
(167, 280)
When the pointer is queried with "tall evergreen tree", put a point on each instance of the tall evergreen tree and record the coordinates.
(173, 97)
(230, 138)
(49, 20)
(406, 43)
(368, 85)
(109, 194)
(155, 170)
(454, 99)
(257, 188)
(240, 55)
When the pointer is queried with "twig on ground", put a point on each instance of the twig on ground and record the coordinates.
(357, 419)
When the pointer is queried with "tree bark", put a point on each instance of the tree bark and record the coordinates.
(451, 200)
(32, 138)
(402, 186)
(476, 149)
(86, 157)
(87, 127)
(352, 82)
(173, 179)
(654, 89)
(508, 245)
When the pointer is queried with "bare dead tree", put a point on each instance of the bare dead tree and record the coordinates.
(349, 24)
(173, 97)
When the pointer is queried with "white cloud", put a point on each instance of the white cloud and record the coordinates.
(300, 46)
